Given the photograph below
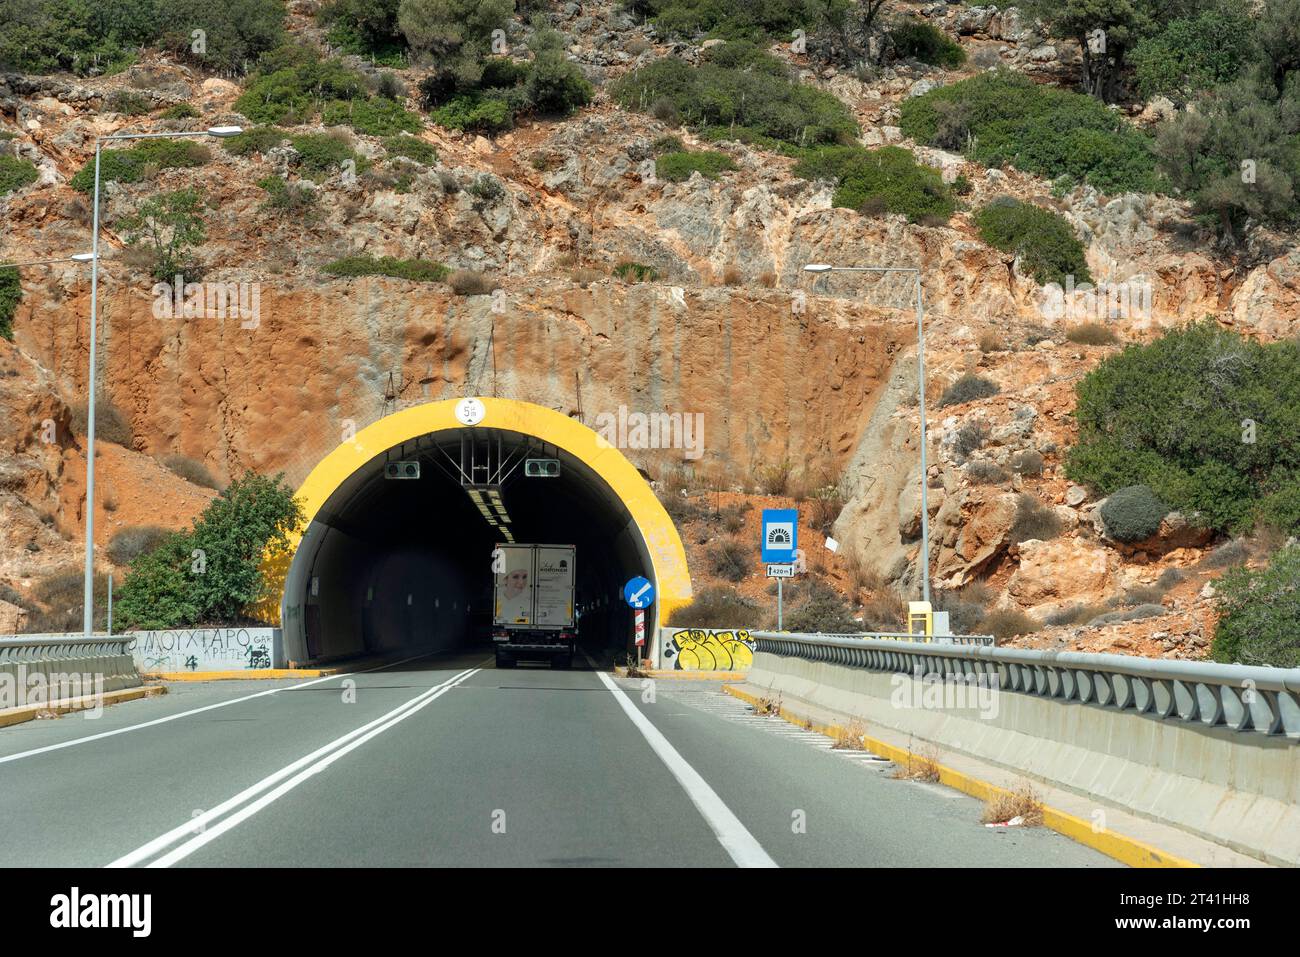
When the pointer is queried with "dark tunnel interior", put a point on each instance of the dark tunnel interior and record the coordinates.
(397, 563)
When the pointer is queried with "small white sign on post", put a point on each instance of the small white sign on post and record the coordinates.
(780, 571)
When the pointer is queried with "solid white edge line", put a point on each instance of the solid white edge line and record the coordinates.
(731, 833)
(192, 845)
(203, 820)
(5, 759)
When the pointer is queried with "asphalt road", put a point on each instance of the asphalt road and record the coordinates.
(445, 761)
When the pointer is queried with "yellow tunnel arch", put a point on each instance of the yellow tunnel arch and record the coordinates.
(658, 533)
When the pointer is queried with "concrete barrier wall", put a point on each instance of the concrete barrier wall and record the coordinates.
(42, 669)
(1238, 789)
(206, 649)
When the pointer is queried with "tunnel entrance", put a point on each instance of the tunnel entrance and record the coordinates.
(390, 561)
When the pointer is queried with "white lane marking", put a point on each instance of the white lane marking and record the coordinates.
(324, 756)
(731, 833)
(193, 711)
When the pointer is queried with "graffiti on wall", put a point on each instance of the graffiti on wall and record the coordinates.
(204, 649)
(709, 649)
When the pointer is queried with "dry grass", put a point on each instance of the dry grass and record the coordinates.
(991, 341)
(919, 767)
(732, 276)
(1006, 806)
(585, 277)
(768, 707)
(850, 738)
(766, 279)
(470, 282)
(1091, 334)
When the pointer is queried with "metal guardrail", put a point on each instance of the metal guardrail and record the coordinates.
(1241, 697)
(905, 636)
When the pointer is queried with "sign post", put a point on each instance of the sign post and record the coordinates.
(639, 593)
(778, 545)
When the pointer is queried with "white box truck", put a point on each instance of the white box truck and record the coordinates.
(533, 604)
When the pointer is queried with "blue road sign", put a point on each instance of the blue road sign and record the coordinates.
(780, 534)
(639, 593)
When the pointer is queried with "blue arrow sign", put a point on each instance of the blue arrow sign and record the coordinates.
(780, 534)
(639, 593)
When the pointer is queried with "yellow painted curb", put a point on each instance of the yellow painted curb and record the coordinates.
(14, 716)
(1126, 850)
(232, 675)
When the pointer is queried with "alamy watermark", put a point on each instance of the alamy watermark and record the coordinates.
(25, 688)
(1130, 299)
(208, 300)
(651, 430)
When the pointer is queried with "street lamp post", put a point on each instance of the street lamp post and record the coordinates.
(920, 371)
(88, 600)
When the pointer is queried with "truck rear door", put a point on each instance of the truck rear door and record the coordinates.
(554, 578)
(513, 601)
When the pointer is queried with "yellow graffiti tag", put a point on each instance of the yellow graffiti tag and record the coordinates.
(703, 649)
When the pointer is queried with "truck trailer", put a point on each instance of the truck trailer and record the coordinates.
(533, 604)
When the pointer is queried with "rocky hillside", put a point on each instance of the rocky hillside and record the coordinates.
(808, 384)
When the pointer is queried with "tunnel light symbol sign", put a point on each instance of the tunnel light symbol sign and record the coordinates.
(780, 534)
(639, 593)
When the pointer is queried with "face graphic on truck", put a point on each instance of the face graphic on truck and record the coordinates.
(516, 582)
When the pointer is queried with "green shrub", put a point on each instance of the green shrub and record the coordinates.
(15, 174)
(1194, 53)
(738, 86)
(11, 294)
(1132, 514)
(555, 85)
(1000, 118)
(285, 196)
(635, 272)
(132, 165)
(412, 148)
(321, 152)
(1202, 415)
(724, 18)
(668, 144)
(46, 36)
(1259, 611)
(474, 113)
(718, 606)
(364, 27)
(678, 167)
(211, 574)
(967, 389)
(416, 270)
(292, 84)
(236, 32)
(1280, 508)
(260, 139)
(917, 40)
(887, 179)
(170, 227)
(376, 116)
(1044, 240)
(128, 103)
(179, 111)
(130, 543)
